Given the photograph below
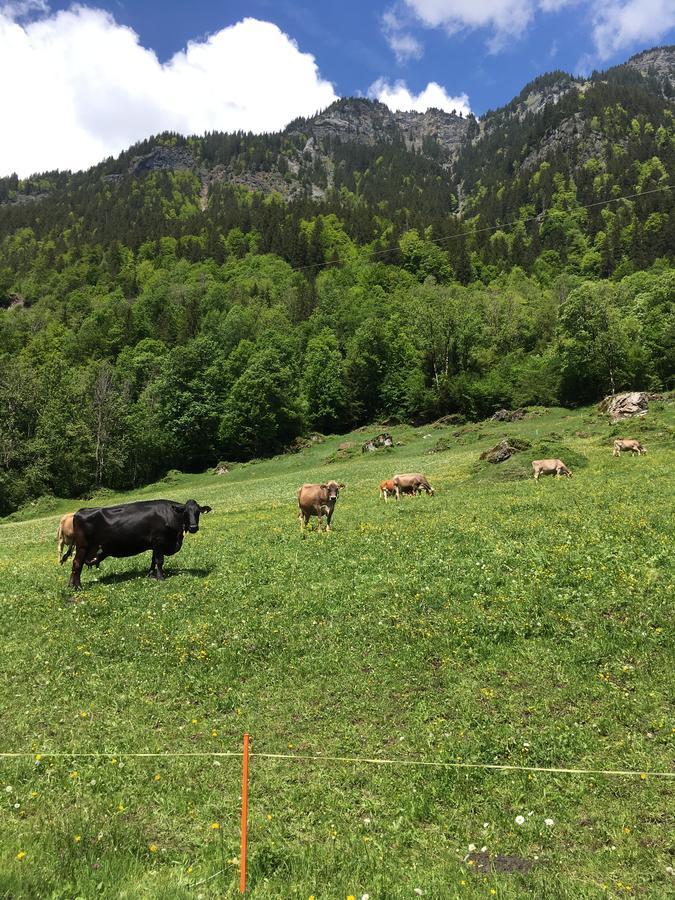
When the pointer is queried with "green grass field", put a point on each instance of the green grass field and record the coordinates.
(500, 621)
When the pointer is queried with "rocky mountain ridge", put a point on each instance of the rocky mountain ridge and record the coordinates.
(371, 122)
(305, 159)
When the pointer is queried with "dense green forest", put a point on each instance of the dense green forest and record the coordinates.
(160, 316)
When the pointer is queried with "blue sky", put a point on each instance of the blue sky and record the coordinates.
(104, 74)
(349, 42)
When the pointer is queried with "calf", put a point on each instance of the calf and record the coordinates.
(411, 483)
(65, 536)
(623, 444)
(317, 500)
(550, 467)
(387, 488)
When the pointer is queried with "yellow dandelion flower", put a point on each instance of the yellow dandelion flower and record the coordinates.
(38, 757)
(121, 807)
(493, 891)
(626, 829)
(351, 897)
(214, 733)
(157, 777)
(194, 721)
(77, 838)
(643, 776)
(34, 794)
(20, 855)
(113, 761)
(189, 870)
(153, 848)
(215, 825)
(269, 817)
(73, 774)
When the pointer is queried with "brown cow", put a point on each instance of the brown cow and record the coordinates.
(550, 467)
(65, 536)
(317, 500)
(411, 483)
(628, 444)
(387, 488)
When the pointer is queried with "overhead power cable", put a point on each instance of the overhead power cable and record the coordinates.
(500, 227)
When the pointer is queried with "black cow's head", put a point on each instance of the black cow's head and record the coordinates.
(191, 518)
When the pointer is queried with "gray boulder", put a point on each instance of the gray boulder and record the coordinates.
(628, 405)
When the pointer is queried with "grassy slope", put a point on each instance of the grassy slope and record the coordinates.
(500, 621)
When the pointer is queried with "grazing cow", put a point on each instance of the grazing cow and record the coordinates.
(317, 500)
(131, 528)
(411, 483)
(550, 467)
(387, 488)
(65, 536)
(628, 444)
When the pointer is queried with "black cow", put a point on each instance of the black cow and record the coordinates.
(131, 528)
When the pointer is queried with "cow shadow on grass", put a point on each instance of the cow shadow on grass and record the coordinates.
(140, 574)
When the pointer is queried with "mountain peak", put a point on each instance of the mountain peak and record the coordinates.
(366, 121)
(658, 62)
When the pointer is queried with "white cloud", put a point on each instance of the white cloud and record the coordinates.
(17, 9)
(404, 44)
(618, 25)
(399, 97)
(83, 87)
(505, 18)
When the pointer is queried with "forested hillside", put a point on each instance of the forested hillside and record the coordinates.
(215, 297)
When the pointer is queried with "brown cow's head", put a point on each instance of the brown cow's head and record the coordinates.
(191, 517)
(331, 490)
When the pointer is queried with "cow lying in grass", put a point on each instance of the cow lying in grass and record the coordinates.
(550, 467)
(317, 500)
(627, 444)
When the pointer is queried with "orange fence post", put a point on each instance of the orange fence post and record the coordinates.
(244, 814)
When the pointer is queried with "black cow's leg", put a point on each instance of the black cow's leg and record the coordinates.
(153, 567)
(78, 562)
(97, 559)
(159, 562)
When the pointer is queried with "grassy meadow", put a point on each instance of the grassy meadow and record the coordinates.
(500, 621)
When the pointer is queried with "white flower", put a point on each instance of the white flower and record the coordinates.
(9, 789)
(483, 849)
(520, 820)
(418, 891)
(17, 806)
(472, 847)
(549, 822)
(365, 896)
(486, 824)
(366, 821)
